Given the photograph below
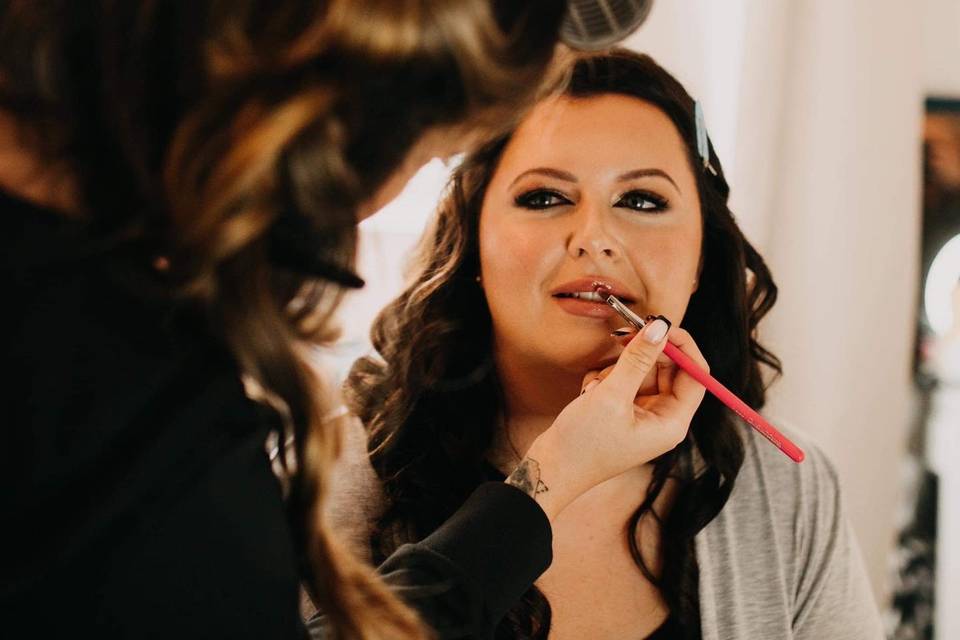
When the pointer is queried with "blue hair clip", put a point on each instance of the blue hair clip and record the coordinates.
(703, 142)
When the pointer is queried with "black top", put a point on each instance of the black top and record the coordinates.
(669, 630)
(137, 497)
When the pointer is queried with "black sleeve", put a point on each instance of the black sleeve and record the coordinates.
(467, 574)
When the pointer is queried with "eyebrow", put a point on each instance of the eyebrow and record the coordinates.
(569, 177)
(546, 171)
(643, 173)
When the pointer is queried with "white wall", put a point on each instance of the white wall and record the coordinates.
(940, 46)
(815, 110)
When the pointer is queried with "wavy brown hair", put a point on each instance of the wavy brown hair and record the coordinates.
(230, 143)
(431, 400)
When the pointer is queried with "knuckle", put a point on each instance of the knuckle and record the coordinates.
(639, 359)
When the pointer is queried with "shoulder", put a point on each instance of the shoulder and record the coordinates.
(782, 543)
(788, 510)
(354, 497)
(766, 469)
(797, 506)
(795, 496)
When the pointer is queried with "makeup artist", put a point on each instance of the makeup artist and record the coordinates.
(180, 187)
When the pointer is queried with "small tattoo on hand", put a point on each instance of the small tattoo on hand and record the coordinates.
(526, 477)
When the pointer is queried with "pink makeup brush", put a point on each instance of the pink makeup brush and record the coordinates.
(712, 385)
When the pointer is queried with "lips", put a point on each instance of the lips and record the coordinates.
(587, 296)
(587, 288)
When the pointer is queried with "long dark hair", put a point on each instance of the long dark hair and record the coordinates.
(431, 400)
(229, 142)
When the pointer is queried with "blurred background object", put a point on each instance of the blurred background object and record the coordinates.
(817, 111)
(927, 561)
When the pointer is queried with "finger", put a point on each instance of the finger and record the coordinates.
(686, 393)
(685, 387)
(624, 335)
(590, 380)
(682, 340)
(590, 375)
(666, 371)
(594, 377)
(650, 385)
(638, 359)
(602, 375)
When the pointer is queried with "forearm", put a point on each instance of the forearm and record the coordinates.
(466, 575)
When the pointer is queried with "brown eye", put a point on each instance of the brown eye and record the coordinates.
(540, 199)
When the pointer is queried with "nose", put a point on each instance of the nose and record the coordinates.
(593, 234)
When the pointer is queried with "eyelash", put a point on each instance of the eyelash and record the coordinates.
(526, 200)
(660, 203)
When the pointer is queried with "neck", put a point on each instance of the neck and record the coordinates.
(534, 395)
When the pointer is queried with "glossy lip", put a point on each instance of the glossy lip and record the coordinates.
(599, 310)
(591, 283)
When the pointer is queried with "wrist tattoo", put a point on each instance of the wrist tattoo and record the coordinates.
(526, 477)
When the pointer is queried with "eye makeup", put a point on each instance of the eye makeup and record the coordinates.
(638, 200)
(642, 201)
(540, 199)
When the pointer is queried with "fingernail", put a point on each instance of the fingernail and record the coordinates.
(590, 385)
(656, 330)
(622, 331)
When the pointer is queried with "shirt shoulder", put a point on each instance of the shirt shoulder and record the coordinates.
(781, 551)
(355, 497)
(785, 509)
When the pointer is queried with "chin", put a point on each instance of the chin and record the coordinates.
(584, 355)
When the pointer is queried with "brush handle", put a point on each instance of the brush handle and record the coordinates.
(737, 405)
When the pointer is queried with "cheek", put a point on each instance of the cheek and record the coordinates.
(513, 255)
(514, 264)
(667, 264)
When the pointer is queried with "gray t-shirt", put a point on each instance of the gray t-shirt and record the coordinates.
(779, 562)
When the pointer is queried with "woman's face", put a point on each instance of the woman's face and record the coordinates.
(596, 189)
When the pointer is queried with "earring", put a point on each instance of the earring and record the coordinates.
(477, 279)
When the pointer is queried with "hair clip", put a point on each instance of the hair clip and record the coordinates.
(703, 142)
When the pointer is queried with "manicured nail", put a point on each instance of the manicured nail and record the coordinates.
(655, 331)
(622, 331)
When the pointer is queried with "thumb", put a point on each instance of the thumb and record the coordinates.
(637, 359)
